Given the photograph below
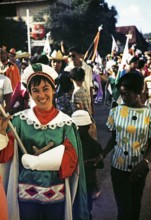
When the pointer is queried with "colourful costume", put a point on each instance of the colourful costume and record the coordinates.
(48, 187)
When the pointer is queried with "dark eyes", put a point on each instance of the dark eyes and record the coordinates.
(124, 93)
(36, 90)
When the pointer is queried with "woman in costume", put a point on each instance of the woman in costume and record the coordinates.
(50, 185)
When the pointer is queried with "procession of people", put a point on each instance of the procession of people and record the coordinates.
(48, 161)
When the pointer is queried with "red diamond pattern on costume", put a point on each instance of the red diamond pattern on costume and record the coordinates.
(31, 191)
(62, 190)
(49, 194)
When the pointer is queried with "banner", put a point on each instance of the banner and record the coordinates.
(92, 50)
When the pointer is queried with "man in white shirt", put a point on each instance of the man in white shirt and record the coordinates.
(75, 60)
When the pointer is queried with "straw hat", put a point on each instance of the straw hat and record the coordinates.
(81, 118)
(21, 55)
(39, 69)
(57, 55)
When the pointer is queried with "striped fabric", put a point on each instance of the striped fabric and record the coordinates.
(133, 128)
(80, 96)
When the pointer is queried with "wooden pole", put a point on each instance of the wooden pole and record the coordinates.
(28, 31)
(14, 131)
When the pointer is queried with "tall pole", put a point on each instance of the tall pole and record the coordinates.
(28, 31)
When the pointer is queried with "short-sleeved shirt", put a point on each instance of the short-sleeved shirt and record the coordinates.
(133, 128)
(87, 83)
(80, 96)
(5, 86)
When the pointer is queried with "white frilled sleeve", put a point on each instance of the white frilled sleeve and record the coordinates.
(49, 160)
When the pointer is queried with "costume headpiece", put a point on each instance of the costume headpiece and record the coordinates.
(39, 69)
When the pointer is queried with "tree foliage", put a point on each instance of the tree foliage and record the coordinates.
(13, 33)
(80, 25)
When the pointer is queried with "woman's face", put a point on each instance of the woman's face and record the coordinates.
(56, 65)
(43, 95)
(130, 98)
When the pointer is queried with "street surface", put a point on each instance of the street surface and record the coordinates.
(104, 208)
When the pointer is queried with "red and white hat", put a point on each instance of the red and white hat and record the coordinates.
(39, 69)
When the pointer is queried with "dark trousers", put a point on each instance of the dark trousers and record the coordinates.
(128, 195)
(35, 211)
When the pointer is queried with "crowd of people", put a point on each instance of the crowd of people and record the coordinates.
(50, 99)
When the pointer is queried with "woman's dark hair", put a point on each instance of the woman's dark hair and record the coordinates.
(132, 81)
(36, 80)
(43, 59)
(64, 64)
(77, 74)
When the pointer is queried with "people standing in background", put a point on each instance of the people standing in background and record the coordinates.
(130, 124)
(80, 97)
(76, 60)
(97, 84)
(5, 92)
(9, 69)
(12, 58)
(64, 86)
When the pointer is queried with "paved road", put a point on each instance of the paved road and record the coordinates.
(104, 208)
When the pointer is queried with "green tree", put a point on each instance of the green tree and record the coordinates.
(80, 25)
(13, 33)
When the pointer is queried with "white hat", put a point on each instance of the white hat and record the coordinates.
(39, 69)
(81, 118)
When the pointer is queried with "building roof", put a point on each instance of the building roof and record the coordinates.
(137, 37)
(4, 2)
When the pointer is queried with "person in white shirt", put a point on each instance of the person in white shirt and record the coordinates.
(5, 91)
(75, 60)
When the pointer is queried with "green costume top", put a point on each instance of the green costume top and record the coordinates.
(45, 186)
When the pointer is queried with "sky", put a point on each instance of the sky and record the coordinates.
(133, 12)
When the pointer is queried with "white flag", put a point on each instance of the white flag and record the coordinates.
(98, 59)
(47, 48)
(124, 59)
(114, 45)
(125, 54)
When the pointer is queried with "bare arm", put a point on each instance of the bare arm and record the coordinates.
(7, 98)
(110, 144)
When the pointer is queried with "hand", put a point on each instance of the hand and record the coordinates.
(4, 124)
(94, 160)
(139, 171)
(98, 160)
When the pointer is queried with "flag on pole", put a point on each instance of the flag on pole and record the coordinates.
(92, 50)
(98, 59)
(62, 48)
(124, 58)
(47, 48)
(114, 45)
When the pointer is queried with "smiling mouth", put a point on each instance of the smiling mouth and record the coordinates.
(43, 101)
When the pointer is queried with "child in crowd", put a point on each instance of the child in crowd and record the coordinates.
(80, 97)
(92, 152)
